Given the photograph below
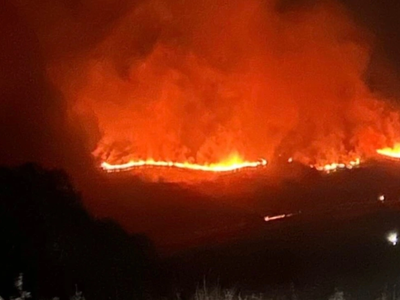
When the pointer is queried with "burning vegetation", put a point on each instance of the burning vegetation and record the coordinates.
(393, 152)
(230, 165)
(218, 85)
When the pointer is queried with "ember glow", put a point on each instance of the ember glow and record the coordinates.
(332, 167)
(393, 152)
(234, 163)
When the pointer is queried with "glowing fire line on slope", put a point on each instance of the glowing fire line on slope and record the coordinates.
(229, 166)
(235, 163)
(332, 167)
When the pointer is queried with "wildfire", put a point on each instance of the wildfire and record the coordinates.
(332, 167)
(232, 164)
(393, 152)
(235, 162)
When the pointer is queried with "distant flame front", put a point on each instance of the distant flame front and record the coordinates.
(332, 167)
(233, 163)
(393, 152)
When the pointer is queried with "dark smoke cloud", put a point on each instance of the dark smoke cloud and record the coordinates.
(31, 113)
(36, 124)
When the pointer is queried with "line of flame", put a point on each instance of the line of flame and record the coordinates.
(390, 152)
(337, 166)
(235, 163)
(218, 167)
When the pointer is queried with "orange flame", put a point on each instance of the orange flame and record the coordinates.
(393, 152)
(332, 167)
(233, 163)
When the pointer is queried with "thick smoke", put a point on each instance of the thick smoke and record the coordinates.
(33, 120)
(200, 80)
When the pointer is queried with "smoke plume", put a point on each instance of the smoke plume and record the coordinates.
(199, 80)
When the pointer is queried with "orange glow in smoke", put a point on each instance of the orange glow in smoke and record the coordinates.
(181, 84)
(233, 163)
(393, 152)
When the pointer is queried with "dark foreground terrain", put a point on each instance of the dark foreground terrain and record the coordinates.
(47, 236)
(336, 237)
(315, 253)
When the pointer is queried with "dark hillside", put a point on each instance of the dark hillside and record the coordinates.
(47, 235)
